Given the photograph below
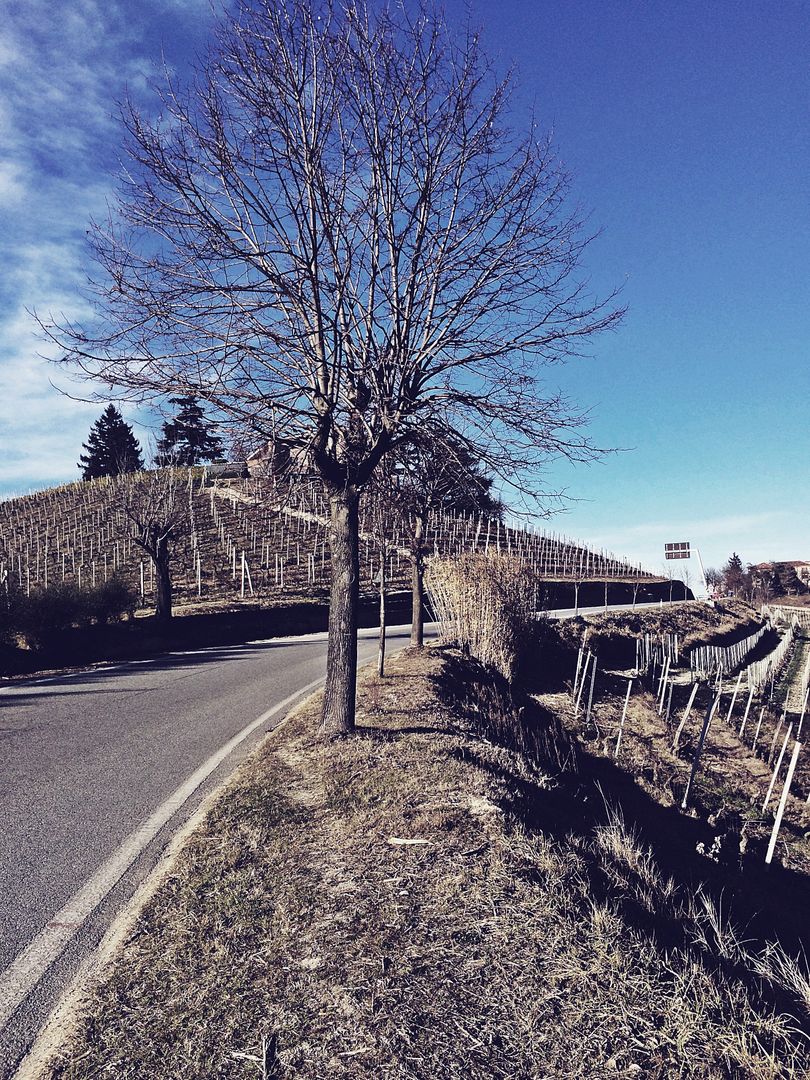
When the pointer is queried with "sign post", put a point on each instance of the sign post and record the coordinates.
(682, 550)
(677, 551)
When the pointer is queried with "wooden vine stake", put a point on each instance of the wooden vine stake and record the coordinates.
(669, 701)
(696, 760)
(782, 802)
(624, 714)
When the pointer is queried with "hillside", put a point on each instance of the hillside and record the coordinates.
(79, 533)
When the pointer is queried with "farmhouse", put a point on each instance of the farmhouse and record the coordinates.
(279, 457)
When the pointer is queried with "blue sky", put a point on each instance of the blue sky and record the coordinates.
(685, 128)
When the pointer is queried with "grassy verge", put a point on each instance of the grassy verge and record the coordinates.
(447, 894)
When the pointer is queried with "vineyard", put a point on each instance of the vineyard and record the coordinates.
(719, 727)
(252, 538)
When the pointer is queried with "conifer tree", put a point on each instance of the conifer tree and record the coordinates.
(186, 439)
(111, 447)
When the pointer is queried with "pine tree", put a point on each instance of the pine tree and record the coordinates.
(734, 574)
(186, 439)
(111, 447)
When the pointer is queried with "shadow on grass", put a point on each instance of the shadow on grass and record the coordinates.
(765, 903)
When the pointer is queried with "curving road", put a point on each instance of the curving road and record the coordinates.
(97, 771)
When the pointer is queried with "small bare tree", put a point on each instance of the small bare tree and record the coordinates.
(156, 512)
(433, 471)
(335, 237)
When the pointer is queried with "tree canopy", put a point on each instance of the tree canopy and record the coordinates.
(187, 439)
(335, 236)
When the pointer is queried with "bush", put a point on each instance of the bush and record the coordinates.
(486, 604)
(9, 614)
(112, 600)
(49, 612)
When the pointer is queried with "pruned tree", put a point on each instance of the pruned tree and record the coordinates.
(335, 237)
(111, 447)
(156, 512)
(186, 439)
(714, 577)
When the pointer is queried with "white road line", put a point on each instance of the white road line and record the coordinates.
(22, 975)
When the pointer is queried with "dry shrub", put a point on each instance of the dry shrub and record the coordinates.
(486, 605)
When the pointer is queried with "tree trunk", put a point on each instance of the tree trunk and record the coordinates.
(381, 649)
(341, 656)
(163, 583)
(417, 587)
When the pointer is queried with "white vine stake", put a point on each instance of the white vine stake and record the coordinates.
(734, 698)
(624, 714)
(686, 713)
(583, 681)
(576, 673)
(747, 710)
(804, 710)
(782, 802)
(590, 694)
(775, 736)
(756, 733)
(696, 760)
(778, 767)
(662, 685)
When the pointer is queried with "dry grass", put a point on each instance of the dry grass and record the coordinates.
(612, 635)
(383, 908)
(486, 604)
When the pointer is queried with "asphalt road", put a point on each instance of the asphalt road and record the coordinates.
(97, 772)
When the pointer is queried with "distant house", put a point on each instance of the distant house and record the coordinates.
(226, 470)
(763, 571)
(278, 457)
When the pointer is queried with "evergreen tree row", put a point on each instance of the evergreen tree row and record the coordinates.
(112, 449)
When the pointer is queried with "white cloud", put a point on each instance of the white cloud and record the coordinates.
(61, 72)
(12, 187)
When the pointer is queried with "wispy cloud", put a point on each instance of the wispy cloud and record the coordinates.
(60, 77)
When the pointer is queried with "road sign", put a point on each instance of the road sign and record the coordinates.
(677, 551)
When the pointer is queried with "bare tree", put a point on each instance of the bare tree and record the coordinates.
(156, 513)
(434, 470)
(335, 237)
